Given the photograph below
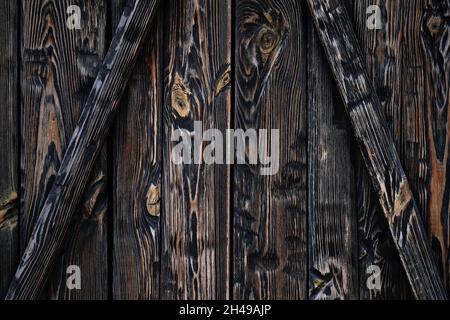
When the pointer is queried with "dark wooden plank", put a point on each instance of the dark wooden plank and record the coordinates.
(59, 67)
(9, 202)
(137, 174)
(270, 230)
(332, 219)
(377, 147)
(393, 61)
(434, 20)
(195, 246)
(83, 149)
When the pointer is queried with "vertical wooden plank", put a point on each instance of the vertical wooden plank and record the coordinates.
(396, 64)
(59, 67)
(434, 17)
(332, 216)
(9, 144)
(269, 245)
(137, 174)
(195, 246)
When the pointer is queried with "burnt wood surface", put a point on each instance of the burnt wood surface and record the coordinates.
(394, 65)
(9, 166)
(332, 224)
(141, 227)
(59, 66)
(195, 244)
(137, 145)
(270, 212)
(84, 147)
(377, 147)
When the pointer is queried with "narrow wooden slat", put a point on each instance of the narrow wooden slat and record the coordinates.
(195, 226)
(9, 232)
(270, 229)
(82, 151)
(59, 67)
(434, 20)
(332, 235)
(393, 61)
(137, 174)
(377, 147)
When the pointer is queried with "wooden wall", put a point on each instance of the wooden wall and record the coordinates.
(150, 229)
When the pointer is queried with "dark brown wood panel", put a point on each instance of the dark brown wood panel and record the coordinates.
(385, 55)
(9, 166)
(83, 150)
(59, 67)
(195, 224)
(270, 212)
(332, 222)
(137, 164)
(433, 185)
(377, 147)
(409, 61)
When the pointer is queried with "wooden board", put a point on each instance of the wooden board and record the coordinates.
(9, 166)
(434, 36)
(270, 212)
(196, 224)
(332, 215)
(385, 56)
(377, 147)
(409, 68)
(59, 66)
(137, 145)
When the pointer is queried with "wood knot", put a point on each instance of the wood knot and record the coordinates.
(271, 35)
(267, 40)
(223, 81)
(434, 25)
(153, 200)
(180, 97)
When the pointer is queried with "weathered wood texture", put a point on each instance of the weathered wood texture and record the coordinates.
(270, 212)
(9, 166)
(332, 224)
(84, 147)
(435, 44)
(434, 37)
(377, 147)
(394, 63)
(59, 66)
(137, 159)
(196, 220)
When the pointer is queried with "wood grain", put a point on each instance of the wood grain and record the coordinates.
(332, 220)
(82, 151)
(377, 147)
(393, 60)
(434, 33)
(9, 166)
(270, 212)
(195, 225)
(59, 67)
(137, 145)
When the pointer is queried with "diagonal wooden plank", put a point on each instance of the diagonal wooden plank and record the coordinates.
(9, 173)
(82, 151)
(377, 147)
(59, 68)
